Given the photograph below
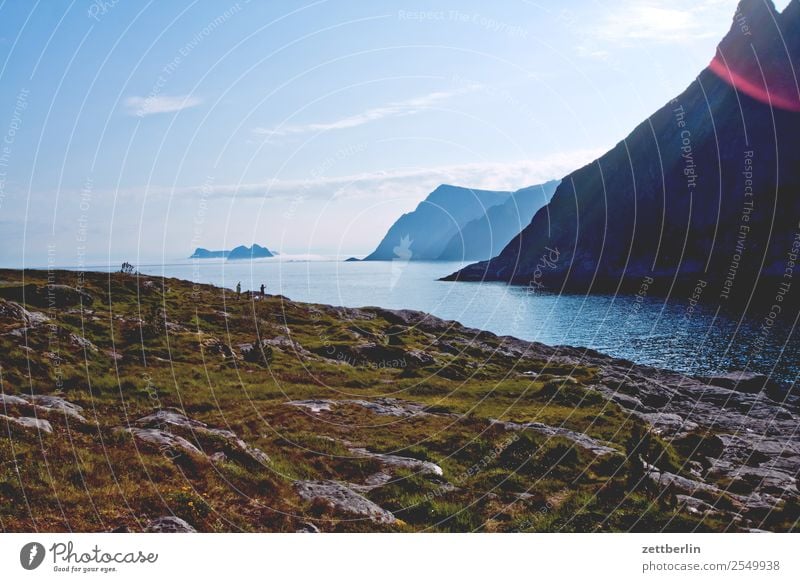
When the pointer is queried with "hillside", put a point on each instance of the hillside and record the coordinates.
(139, 403)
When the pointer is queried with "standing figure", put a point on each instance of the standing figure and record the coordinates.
(238, 289)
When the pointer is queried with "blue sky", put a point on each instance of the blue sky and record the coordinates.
(138, 131)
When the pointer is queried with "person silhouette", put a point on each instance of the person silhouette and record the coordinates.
(238, 289)
(263, 288)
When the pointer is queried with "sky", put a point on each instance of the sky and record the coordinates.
(141, 130)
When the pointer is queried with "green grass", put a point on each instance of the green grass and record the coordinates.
(98, 478)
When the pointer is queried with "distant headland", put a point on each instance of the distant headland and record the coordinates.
(240, 252)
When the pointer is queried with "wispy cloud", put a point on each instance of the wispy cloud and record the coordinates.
(152, 104)
(406, 183)
(660, 21)
(393, 109)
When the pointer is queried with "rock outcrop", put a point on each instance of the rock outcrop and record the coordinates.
(169, 524)
(27, 422)
(343, 500)
(226, 441)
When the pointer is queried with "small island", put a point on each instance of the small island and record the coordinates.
(238, 253)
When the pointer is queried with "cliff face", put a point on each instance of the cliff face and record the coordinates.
(424, 233)
(485, 236)
(706, 188)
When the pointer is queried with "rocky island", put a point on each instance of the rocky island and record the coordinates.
(136, 403)
(241, 252)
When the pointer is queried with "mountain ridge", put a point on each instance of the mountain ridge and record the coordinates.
(423, 233)
(718, 161)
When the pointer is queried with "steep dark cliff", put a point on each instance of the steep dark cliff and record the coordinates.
(705, 189)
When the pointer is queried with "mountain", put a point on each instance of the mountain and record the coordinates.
(240, 252)
(254, 252)
(424, 233)
(201, 253)
(704, 193)
(485, 236)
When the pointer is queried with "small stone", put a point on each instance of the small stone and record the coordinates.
(28, 422)
(169, 524)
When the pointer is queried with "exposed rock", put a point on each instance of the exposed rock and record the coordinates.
(343, 499)
(759, 449)
(689, 487)
(401, 462)
(57, 404)
(366, 354)
(217, 347)
(307, 527)
(50, 296)
(389, 407)
(82, 342)
(484, 237)
(253, 354)
(166, 442)
(169, 524)
(384, 406)
(28, 422)
(173, 327)
(234, 446)
(749, 382)
(243, 252)
(667, 422)
(673, 239)
(11, 400)
(288, 346)
(582, 440)
(420, 358)
(313, 405)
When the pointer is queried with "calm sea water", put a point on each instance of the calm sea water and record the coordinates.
(647, 331)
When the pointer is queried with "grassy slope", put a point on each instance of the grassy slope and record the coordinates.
(96, 478)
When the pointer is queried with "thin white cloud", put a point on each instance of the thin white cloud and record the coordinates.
(412, 183)
(152, 104)
(663, 21)
(393, 109)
